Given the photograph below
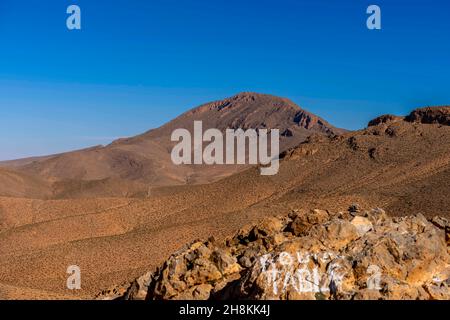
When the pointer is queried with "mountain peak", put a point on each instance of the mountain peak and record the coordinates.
(243, 100)
(248, 95)
(256, 110)
(254, 96)
(139, 159)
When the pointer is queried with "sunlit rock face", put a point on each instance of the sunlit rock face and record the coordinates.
(316, 255)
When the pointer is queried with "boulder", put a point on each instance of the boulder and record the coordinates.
(362, 225)
(311, 256)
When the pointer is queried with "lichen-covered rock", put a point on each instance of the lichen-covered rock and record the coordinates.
(317, 255)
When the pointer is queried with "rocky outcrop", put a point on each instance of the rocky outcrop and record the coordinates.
(311, 255)
(440, 115)
(387, 118)
(428, 115)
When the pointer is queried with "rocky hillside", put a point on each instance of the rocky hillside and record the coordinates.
(130, 167)
(17, 184)
(440, 115)
(317, 255)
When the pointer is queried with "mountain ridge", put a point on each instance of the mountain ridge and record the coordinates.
(133, 165)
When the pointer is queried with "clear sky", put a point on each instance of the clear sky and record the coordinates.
(136, 64)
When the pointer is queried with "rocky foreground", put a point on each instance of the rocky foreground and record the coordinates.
(309, 255)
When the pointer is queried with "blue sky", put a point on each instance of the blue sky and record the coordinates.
(137, 64)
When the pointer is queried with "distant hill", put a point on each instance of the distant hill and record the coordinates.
(132, 166)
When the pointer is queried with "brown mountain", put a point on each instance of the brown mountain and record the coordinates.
(401, 164)
(130, 167)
